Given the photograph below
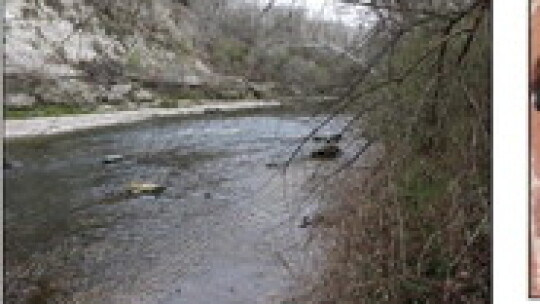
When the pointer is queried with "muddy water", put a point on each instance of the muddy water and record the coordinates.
(218, 234)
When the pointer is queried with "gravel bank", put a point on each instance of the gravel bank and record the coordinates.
(65, 124)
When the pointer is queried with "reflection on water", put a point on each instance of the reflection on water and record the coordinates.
(72, 235)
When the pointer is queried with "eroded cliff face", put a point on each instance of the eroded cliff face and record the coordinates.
(95, 51)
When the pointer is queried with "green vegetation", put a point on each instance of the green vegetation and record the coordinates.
(229, 55)
(417, 225)
(134, 60)
(192, 93)
(46, 110)
(169, 103)
(182, 47)
(202, 93)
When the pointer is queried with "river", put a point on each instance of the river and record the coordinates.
(219, 233)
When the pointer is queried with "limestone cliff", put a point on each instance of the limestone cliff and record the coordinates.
(95, 51)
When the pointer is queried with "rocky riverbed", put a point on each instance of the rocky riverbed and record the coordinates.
(225, 229)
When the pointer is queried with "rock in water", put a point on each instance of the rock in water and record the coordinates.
(137, 188)
(311, 220)
(306, 221)
(272, 165)
(335, 137)
(327, 152)
(331, 138)
(8, 165)
(110, 159)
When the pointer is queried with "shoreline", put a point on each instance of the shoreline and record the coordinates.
(44, 126)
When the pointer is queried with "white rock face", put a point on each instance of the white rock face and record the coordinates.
(55, 42)
(119, 93)
(143, 96)
(20, 100)
(45, 42)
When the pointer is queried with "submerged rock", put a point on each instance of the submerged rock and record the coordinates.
(8, 165)
(327, 152)
(137, 188)
(272, 165)
(306, 221)
(311, 220)
(212, 111)
(331, 138)
(110, 159)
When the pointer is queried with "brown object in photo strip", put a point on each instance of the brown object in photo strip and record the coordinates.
(534, 77)
(535, 149)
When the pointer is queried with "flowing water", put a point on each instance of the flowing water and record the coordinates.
(219, 233)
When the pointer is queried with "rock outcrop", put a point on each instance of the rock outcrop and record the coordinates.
(19, 101)
(89, 51)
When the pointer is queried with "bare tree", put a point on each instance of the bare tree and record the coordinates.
(414, 228)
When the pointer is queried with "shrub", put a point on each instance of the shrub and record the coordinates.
(415, 228)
